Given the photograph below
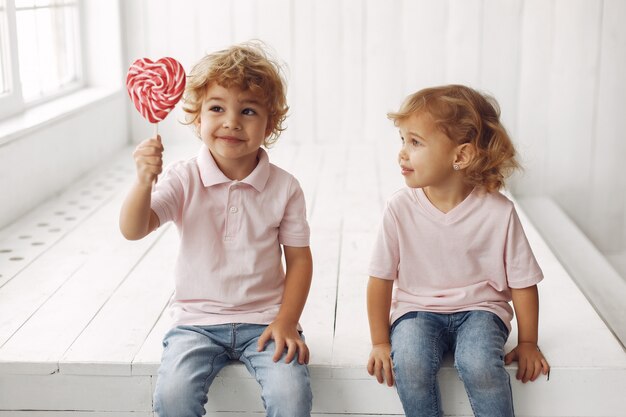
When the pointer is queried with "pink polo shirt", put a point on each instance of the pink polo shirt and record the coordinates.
(466, 259)
(229, 267)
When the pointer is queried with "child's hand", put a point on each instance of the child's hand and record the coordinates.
(380, 364)
(285, 336)
(531, 361)
(148, 159)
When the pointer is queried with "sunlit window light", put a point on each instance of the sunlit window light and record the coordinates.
(48, 46)
(4, 50)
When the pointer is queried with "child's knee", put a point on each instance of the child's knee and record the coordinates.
(178, 398)
(481, 371)
(414, 367)
(288, 394)
(414, 371)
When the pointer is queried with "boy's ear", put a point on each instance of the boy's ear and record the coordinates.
(465, 154)
(196, 126)
(268, 128)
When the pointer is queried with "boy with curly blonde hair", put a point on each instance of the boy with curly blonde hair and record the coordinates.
(236, 213)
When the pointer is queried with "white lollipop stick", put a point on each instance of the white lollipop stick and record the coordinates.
(156, 136)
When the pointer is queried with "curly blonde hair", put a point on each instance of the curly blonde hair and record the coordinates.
(247, 66)
(467, 116)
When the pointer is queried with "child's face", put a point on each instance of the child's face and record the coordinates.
(233, 124)
(427, 154)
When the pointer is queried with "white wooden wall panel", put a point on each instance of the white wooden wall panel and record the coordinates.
(500, 56)
(424, 24)
(184, 34)
(352, 61)
(556, 68)
(275, 26)
(609, 147)
(534, 86)
(213, 28)
(244, 23)
(159, 28)
(301, 121)
(384, 63)
(326, 48)
(464, 46)
(572, 96)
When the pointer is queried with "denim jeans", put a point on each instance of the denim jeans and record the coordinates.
(418, 343)
(193, 355)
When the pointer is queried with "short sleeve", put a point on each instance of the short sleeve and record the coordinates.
(386, 253)
(522, 269)
(294, 228)
(167, 196)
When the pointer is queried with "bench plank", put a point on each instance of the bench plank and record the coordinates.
(113, 338)
(327, 212)
(73, 414)
(42, 341)
(22, 296)
(78, 393)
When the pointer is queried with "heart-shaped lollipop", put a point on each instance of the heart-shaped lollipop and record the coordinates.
(155, 87)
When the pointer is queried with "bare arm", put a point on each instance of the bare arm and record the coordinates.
(378, 306)
(284, 330)
(527, 354)
(136, 217)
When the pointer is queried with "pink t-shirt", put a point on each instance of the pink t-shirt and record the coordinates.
(229, 267)
(466, 259)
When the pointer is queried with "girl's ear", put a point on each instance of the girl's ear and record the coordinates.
(465, 154)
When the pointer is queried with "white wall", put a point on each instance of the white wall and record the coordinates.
(36, 166)
(556, 66)
(38, 159)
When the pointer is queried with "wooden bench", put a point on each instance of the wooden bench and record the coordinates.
(82, 309)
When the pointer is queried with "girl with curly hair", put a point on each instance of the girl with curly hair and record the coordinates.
(453, 247)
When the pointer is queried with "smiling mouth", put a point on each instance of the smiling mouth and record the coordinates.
(230, 139)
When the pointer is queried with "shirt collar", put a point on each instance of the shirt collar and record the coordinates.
(212, 175)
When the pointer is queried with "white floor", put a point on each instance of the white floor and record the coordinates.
(81, 308)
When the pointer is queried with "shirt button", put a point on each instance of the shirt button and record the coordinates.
(233, 209)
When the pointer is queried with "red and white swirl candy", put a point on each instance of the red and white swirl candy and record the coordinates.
(155, 87)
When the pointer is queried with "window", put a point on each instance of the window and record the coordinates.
(4, 51)
(39, 51)
(47, 44)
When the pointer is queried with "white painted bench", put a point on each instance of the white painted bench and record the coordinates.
(81, 309)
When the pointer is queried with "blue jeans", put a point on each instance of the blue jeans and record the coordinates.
(193, 355)
(418, 343)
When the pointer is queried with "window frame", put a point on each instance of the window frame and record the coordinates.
(13, 103)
